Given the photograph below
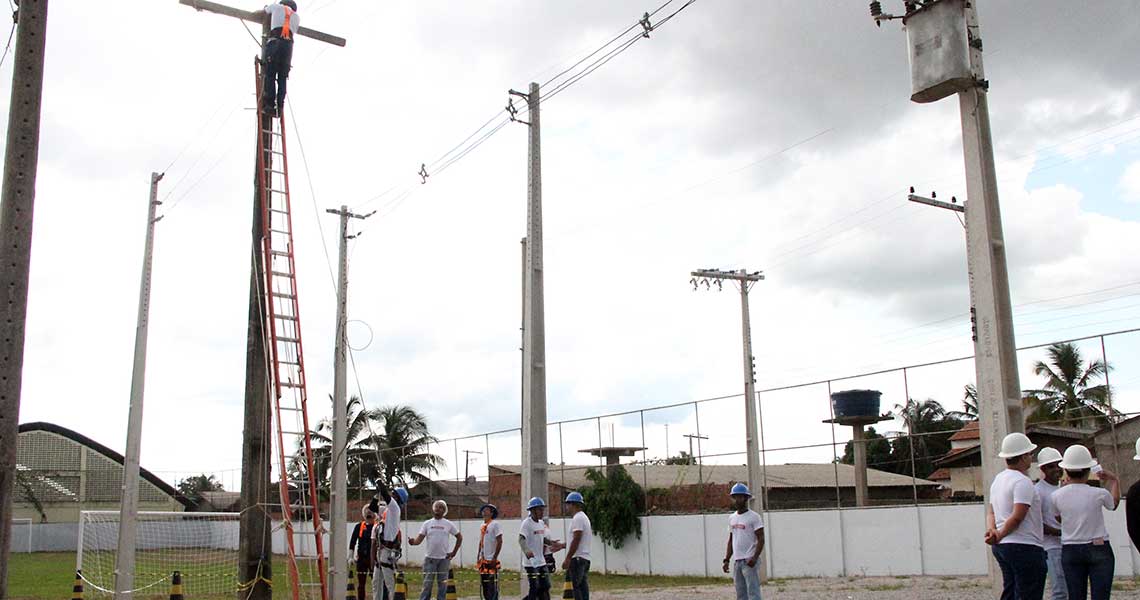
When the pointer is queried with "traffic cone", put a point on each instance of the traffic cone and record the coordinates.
(176, 586)
(401, 587)
(77, 587)
(351, 593)
(451, 595)
(568, 587)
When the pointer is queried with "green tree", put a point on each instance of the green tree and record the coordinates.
(878, 452)
(1069, 395)
(684, 458)
(929, 427)
(970, 401)
(615, 502)
(192, 487)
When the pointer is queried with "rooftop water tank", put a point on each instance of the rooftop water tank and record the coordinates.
(856, 403)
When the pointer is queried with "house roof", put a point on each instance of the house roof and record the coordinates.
(83, 440)
(939, 475)
(471, 492)
(795, 475)
(969, 431)
(957, 456)
(1074, 433)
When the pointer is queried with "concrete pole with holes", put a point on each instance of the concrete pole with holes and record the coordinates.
(129, 505)
(17, 200)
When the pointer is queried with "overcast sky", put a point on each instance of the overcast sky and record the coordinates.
(774, 136)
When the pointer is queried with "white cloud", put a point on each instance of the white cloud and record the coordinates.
(1130, 183)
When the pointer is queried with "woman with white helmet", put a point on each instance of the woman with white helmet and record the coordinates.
(1086, 554)
(1013, 523)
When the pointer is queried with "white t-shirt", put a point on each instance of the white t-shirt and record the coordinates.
(580, 522)
(533, 532)
(1048, 514)
(743, 528)
(1014, 487)
(391, 523)
(277, 18)
(437, 537)
(1082, 518)
(490, 544)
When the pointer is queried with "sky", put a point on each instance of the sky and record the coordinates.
(775, 136)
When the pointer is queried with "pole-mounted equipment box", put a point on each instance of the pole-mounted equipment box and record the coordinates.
(939, 50)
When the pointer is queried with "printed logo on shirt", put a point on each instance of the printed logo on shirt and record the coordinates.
(739, 526)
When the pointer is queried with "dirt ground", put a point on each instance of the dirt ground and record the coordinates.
(861, 588)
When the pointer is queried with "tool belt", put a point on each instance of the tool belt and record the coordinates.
(275, 34)
(488, 567)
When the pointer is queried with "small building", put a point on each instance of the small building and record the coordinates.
(684, 489)
(1115, 446)
(463, 498)
(963, 463)
(61, 472)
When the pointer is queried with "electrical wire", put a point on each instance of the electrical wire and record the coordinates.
(8, 46)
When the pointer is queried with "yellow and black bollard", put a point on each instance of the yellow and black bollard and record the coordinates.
(568, 587)
(451, 594)
(77, 587)
(176, 586)
(351, 593)
(401, 587)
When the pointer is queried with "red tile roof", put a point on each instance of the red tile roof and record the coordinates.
(969, 432)
(939, 475)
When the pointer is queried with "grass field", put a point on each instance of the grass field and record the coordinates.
(50, 575)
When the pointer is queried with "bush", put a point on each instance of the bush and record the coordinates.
(615, 503)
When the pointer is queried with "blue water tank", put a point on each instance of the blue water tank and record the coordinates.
(856, 403)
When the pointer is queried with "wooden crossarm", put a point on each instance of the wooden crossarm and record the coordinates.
(257, 16)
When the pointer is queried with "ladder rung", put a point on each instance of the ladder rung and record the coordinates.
(270, 132)
(287, 339)
(289, 362)
(279, 253)
(286, 317)
(292, 433)
(272, 170)
(277, 210)
(292, 385)
(281, 273)
(281, 295)
(278, 231)
(290, 407)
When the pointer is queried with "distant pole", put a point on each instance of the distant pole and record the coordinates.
(534, 472)
(129, 506)
(338, 513)
(691, 437)
(17, 200)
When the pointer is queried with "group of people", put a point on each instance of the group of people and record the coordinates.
(1055, 527)
(376, 543)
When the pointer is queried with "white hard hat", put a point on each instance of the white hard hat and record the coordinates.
(1077, 458)
(1016, 444)
(1047, 455)
(1137, 457)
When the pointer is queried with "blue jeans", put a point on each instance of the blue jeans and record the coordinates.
(1056, 574)
(579, 577)
(1087, 564)
(747, 580)
(436, 568)
(539, 583)
(1022, 571)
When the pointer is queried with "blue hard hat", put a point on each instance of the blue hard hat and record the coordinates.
(494, 510)
(402, 495)
(740, 490)
(535, 502)
(574, 497)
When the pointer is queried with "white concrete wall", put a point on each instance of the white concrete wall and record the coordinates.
(928, 540)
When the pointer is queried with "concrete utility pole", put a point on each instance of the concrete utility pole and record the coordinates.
(255, 543)
(17, 200)
(338, 517)
(745, 281)
(534, 472)
(693, 436)
(129, 506)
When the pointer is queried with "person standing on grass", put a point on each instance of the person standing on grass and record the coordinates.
(386, 541)
(1050, 482)
(577, 561)
(1013, 523)
(745, 543)
(533, 536)
(1132, 506)
(360, 544)
(490, 544)
(1085, 553)
(437, 559)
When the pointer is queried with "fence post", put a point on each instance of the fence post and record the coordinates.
(914, 485)
(701, 492)
(768, 545)
(645, 495)
(834, 447)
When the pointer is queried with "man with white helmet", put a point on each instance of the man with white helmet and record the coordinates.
(1085, 552)
(1050, 481)
(577, 561)
(1013, 523)
(437, 559)
(745, 543)
(1132, 506)
(533, 534)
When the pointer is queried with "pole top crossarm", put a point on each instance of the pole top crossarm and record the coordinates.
(257, 16)
(741, 275)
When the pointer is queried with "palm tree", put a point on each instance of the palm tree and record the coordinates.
(1068, 395)
(970, 400)
(391, 443)
(922, 419)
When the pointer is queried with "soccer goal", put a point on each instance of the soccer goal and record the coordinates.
(202, 547)
(21, 535)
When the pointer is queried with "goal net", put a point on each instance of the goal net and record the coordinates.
(21, 535)
(202, 547)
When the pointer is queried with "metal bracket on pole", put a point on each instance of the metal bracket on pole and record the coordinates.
(645, 25)
(423, 173)
(511, 110)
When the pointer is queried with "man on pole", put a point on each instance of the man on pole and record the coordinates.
(278, 54)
